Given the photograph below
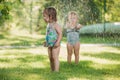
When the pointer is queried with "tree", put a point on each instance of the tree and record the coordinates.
(5, 7)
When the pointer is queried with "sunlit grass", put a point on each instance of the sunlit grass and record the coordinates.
(21, 40)
(26, 39)
(33, 64)
(96, 62)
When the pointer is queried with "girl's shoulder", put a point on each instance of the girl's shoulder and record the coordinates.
(56, 25)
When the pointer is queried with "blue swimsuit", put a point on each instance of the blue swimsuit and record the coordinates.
(72, 36)
(51, 36)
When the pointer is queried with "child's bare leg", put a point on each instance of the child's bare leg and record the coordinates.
(51, 58)
(76, 52)
(55, 54)
(69, 51)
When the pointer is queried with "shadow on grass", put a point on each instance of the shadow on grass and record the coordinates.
(4, 60)
(105, 55)
(84, 71)
(22, 57)
(20, 41)
(28, 67)
(2, 36)
(67, 71)
(26, 42)
(32, 58)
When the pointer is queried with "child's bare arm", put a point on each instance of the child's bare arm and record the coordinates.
(59, 31)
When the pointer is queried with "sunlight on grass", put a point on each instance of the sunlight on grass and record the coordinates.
(24, 39)
(96, 63)
(7, 65)
(33, 76)
(11, 56)
(101, 55)
(17, 57)
(98, 49)
(111, 78)
(78, 79)
(37, 64)
(25, 33)
(99, 60)
(38, 50)
(6, 42)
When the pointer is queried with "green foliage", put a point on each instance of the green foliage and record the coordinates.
(24, 15)
(112, 8)
(90, 11)
(5, 7)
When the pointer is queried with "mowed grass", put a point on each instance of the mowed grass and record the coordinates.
(96, 63)
(29, 40)
(93, 39)
(21, 40)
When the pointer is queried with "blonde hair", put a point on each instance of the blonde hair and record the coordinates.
(73, 12)
(69, 14)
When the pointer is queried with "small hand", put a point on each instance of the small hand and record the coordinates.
(78, 26)
(45, 44)
(57, 44)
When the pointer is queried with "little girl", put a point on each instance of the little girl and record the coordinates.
(73, 43)
(53, 37)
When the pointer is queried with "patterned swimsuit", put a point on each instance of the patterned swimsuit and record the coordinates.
(72, 36)
(51, 36)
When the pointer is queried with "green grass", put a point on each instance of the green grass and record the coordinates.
(24, 41)
(100, 63)
(96, 62)
(97, 39)
(13, 40)
(28, 40)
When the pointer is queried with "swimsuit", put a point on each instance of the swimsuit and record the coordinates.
(72, 36)
(51, 36)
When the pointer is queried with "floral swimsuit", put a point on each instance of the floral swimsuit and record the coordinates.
(51, 36)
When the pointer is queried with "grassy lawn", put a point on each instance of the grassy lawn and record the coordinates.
(97, 39)
(96, 63)
(27, 40)
(21, 40)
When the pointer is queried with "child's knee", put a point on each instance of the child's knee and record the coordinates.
(51, 58)
(70, 54)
